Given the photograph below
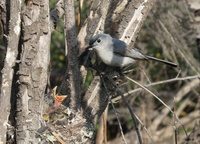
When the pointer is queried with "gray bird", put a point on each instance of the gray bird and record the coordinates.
(115, 52)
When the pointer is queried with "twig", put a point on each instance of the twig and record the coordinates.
(179, 72)
(160, 101)
(174, 126)
(120, 126)
(145, 75)
(150, 93)
(121, 130)
(156, 83)
(145, 128)
(179, 50)
(129, 108)
(58, 137)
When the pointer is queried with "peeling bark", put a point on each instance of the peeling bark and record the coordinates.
(94, 23)
(33, 70)
(132, 18)
(9, 64)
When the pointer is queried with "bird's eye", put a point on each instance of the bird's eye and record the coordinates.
(98, 40)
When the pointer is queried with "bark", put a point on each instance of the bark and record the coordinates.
(9, 64)
(56, 13)
(5, 17)
(122, 19)
(94, 23)
(132, 18)
(33, 70)
(72, 58)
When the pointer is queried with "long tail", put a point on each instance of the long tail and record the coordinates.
(162, 61)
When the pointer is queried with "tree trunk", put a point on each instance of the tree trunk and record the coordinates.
(33, 70)
(9, 64)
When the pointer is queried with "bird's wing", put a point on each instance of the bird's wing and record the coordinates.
(122, 49)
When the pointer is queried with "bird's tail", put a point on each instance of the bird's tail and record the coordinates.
(163, 61)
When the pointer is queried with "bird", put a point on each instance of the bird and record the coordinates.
(53, 100)
(116, 53)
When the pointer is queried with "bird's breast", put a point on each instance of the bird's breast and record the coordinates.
(111, 59)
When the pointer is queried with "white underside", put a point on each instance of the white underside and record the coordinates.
(114, 60)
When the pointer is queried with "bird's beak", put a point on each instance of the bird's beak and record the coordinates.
(54, 90)
(89, 47)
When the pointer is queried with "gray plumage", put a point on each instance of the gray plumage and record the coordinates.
(115, 52)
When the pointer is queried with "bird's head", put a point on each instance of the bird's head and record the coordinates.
(99, 41)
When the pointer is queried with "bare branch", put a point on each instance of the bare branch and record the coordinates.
(150, 93)
(188, 57)
(167, 107)
(156, 83)
(120, 126)
(145, 129)
(182, 92)
(133, 116)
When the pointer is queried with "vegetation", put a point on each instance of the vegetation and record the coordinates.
(43, 64)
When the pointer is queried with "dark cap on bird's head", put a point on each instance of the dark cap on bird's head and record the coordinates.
(98, 38)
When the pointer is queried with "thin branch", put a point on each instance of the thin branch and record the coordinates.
(187, 58)
(145, 75)
(145, 128)
(156, 83)
(150, 93)
(129, 108)
(158, 100)
(174, 124)
(116, 114)
(120, 126)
